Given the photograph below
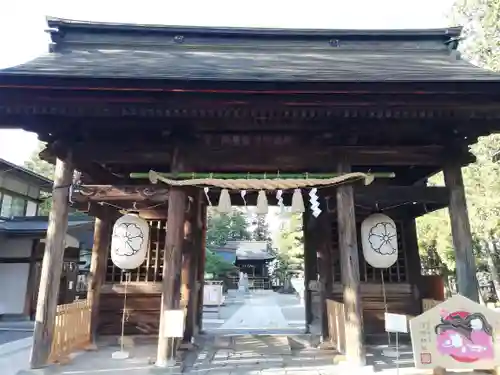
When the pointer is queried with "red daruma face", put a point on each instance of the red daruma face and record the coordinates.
(465, 337)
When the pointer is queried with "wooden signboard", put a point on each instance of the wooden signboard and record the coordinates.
(457, 334)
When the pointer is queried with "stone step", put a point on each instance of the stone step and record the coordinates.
(262, 344)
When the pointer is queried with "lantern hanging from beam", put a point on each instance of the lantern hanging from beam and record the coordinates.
(130, 241)
(379, 239)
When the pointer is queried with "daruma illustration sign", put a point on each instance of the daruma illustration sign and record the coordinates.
(456, 334)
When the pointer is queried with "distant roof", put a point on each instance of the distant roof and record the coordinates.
(247, 250)
(110, 50)
(43, 182)
(37, 225)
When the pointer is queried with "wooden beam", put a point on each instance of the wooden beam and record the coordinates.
(103, 229)
(348, 247)
(461, 233)
(52, 265)
(230, 157)
(151, 194)
(81, 162)
(111, 193)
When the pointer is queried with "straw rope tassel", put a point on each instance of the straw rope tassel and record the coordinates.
(224, 202)
(262, 207)
(297, 202)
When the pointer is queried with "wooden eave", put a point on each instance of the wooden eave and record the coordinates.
(247, 100)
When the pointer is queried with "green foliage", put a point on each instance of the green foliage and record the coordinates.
(481, 20)
(217, 265)
(37, 165)
(261, 231)
(289, 246)
(481, 46)
(222, 228)
(482, 187)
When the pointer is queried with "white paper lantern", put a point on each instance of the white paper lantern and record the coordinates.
(379, 239)
(130, 241)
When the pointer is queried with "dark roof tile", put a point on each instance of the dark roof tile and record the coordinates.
(194, 53)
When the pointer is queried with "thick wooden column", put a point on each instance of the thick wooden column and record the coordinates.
(413, 264)
(461, 233)
(171, 267)
(102, 240)
(325, 269)
(348, 247)
(52, 265)
(191, 263)
(201, 267)
(310, 268)
(31, 282)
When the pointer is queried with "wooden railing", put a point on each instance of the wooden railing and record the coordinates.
(336, 324)
(71, 330)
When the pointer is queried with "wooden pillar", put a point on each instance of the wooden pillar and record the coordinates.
(187, 260)
(413, 264)
(192, 269)
(31, 282)
(348, 246)
(325, 268)
(171, 267)
(102, 240)
(461, 233)
(310, 268)
(52, 265)
(201, 267)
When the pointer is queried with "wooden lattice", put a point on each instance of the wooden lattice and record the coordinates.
(395, 274)
(151, 269)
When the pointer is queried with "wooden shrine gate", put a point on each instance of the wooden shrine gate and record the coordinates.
(112, 101)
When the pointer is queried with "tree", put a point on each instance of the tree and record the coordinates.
(481, 46)
(222, 228)
(217, 265)
(289, 249)
(37, 165)
(261, 231)
(481, 20)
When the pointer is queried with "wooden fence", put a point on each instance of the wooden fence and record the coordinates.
(336, 320)
(336, 324)
(71, 330)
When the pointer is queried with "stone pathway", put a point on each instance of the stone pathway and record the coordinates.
(258, 312)
(231, 347)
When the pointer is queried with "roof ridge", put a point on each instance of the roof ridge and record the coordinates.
(29, 172)
(56, 22)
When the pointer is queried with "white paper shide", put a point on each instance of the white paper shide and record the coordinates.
(129, 244)
(379, 238)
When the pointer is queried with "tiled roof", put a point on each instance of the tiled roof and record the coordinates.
(38, 224)
(85, 49)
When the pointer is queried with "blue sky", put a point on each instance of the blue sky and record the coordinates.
(22, 26)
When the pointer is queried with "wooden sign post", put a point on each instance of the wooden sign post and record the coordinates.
(458, 334)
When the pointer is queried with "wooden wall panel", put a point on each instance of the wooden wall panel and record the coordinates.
(399, 291)
(143, 314)
(399, 300)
